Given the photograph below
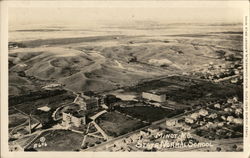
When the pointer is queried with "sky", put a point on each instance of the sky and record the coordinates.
(89, 16)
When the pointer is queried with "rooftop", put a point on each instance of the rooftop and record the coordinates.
(75, 110)
(44, 108)
(157, 91)
(78, 114)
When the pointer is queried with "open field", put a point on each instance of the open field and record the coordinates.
(60, 140)
(146, 113)
(30, 104)
(16, 119)
(116, 124)
(186, 90)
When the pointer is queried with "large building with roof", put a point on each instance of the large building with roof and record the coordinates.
(154, 95)
(73, 116)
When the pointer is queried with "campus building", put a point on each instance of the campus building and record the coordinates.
(73, 116)
(154, 96)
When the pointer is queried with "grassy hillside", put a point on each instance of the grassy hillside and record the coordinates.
(106, 62)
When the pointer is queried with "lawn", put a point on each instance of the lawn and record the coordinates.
(116, 124)
(31, 107)
(190, 89)
(147, 113)
(51, 101)
(60, 140)
(16, 119)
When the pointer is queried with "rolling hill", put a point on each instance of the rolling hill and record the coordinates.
(106, 62)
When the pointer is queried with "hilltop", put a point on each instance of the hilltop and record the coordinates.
(105, 62)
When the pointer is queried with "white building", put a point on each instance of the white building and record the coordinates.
(238, 111)
(189, 120)
(74, 119)
(171, 123)
(195, 115)
(217, 105)
(203, 112)
(158, 97)
(230, 119)
(238, 121)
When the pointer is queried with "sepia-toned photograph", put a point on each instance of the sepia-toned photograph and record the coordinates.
(126, 79)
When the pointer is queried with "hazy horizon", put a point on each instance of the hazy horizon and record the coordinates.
(92, 17)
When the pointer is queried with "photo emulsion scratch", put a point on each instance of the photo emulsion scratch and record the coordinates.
(125, 79)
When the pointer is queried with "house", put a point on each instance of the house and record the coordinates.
(144, 133)
(220, 124)
(120, 144)
(203, 112)
(73, 117)
(230, 119)
(154, 96)
(213, 116)
(230, 100)
(235, 99)
(210, 124)
(186, 127)
(153, 131)
(233, 106)
(171, 123)
(195, 115)
(238, 121)
(201, 123)
(223, 118)
(217, 105)
(189, 120)
(238, 111)
(228, 109)
(237, 72)
(135, 137)
(234, 80)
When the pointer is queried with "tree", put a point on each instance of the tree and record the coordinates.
(218, 149)
(234, 147)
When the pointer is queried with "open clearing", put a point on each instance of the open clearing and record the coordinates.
(146, 113)
(60, 140)
(116, 124)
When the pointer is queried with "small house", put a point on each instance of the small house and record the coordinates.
(203, 112)
(171, 123)
(238, 121)
(189, 120)
(195, 115)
